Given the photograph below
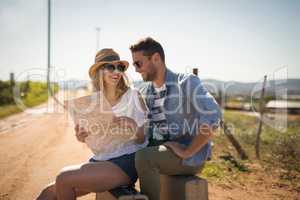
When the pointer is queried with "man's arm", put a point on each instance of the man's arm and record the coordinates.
(208, 113)
(205, 133)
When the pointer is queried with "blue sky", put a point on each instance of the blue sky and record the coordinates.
(237, 40)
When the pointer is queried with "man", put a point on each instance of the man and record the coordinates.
(182, 119)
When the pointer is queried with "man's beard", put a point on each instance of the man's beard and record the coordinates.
(151, 75)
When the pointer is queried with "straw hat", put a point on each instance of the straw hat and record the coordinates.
(105, 56)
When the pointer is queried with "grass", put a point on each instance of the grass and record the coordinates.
(8, 110)
(213, 170)
(280, 152)
(37, 95)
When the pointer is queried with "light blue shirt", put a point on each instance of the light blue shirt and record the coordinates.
(187, 105)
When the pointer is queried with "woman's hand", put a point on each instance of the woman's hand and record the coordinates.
(140, 136)
(125, 122)
(81, 133)
(178, 149)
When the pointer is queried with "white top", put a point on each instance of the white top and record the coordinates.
(128, 106)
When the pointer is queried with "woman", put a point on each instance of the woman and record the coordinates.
(114, 168)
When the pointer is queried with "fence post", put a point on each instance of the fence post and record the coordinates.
(261, 113)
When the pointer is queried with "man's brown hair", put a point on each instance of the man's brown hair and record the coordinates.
(148, 46)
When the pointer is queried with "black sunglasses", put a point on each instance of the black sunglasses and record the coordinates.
(111, 67)
(137, 64)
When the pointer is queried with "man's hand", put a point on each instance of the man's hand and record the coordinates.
(81, 133)
(178, 149)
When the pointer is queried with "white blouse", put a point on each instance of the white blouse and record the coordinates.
(115, 146)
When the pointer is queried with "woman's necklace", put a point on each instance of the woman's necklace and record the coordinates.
(112, 100)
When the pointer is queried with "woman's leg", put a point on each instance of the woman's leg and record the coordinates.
(90, 177)
(49, 192)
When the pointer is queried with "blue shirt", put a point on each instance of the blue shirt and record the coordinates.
(187, 105)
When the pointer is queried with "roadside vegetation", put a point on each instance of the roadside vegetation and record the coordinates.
(30, 94)
(278, 167)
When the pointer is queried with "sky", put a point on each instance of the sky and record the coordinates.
(239, 40)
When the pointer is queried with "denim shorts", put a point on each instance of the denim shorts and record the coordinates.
(126, 163)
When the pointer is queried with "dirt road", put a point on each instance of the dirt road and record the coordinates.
(33, 148)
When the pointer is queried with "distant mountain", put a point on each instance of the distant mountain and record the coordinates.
(231, 88)
(234, 88)
(273, 87)
(73, 84)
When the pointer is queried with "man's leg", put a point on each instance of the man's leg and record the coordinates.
(150, 162)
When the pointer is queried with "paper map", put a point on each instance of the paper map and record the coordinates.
(94, 113)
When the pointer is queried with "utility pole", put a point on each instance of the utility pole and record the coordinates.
(12, 80)
(50, 92)
(49, 48)
(98, 29)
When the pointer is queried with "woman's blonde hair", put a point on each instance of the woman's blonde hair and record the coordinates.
(98, 83)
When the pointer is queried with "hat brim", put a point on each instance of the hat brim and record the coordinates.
(93, 69)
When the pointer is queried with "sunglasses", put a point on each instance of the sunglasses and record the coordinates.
(111, 67)
(137, 64)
